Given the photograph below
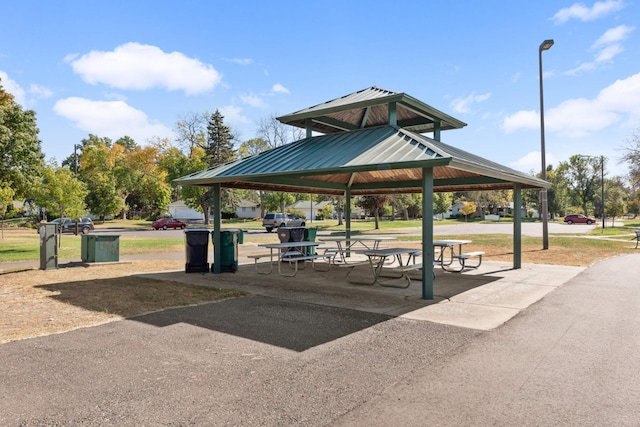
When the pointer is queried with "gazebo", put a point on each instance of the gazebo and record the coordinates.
(370, 142)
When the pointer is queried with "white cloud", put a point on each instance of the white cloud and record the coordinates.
(240, 61)
(613, 35)
(39, 92)
(278, 88)
(253, 100)
(463, 105)
(533, 162)
(136, 66)
(608, 53)
(113, 119)
(21, 96)
(12, 87)
(233, 114)
(583, 13)
(609, 47)
(521, 120)
(581, 116)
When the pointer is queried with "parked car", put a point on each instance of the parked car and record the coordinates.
(275, 220)
(165, 223)
(578, 219)
(68, 225)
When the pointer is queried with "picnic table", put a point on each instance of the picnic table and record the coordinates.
(454, 250)
(346, 245)
(378, 258)
(291, 252)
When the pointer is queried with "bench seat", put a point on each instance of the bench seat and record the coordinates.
(463, 257)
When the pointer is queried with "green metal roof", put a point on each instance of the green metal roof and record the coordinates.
(384, 159)
(370, 108)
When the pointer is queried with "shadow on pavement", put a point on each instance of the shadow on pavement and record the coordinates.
(287, 324)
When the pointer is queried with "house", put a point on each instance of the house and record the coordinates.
(248, 210)
(180, 210)
(308, 209)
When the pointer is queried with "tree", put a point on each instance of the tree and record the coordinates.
(253, 147)
(62, 193)
(21, 157)
(276, 201)
(103, 199)
(633, 207)
(276, 133)
(190, 131)
(403, 203)
(219, 150)
(632, 157)
(6, 197)
(98, 171)
(582, 177)
(442, 203)
(374, 204)
(616, 195)
(467, 209)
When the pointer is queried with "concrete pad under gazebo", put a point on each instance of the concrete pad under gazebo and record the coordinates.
(371, 143)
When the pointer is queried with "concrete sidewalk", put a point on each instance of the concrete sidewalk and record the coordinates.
(482, 298)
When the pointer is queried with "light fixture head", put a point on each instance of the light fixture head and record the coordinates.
(546, 45)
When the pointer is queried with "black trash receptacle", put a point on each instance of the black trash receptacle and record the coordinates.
(284, 234)
(197, 246)
(310, 236)
(297, 234)
(228, 250)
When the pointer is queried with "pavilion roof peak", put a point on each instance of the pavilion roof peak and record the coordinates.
(371, 107)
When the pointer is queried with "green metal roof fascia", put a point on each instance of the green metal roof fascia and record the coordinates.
(507, 176)
(297, 182)
(291, 177)
(416, 183)
(205, 174)
(453, 182)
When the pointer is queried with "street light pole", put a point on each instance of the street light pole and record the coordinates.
(546, 45)
(75, 157)
(602, 182)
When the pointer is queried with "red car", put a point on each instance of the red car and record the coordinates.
(165, 223)
(578, 219)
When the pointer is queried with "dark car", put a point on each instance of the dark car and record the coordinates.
(578, 219)
(165, 223)
(68, 225)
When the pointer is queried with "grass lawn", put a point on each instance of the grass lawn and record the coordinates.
(22, 244)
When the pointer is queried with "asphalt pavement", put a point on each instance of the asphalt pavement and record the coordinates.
(275, 360)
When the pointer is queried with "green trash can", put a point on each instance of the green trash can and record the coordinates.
(197, 247)
(100, 247)
(228, 250)
(310, 236)
(241, 236)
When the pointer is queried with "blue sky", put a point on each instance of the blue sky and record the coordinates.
(115, 68)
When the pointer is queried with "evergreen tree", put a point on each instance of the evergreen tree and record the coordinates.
(219, 150)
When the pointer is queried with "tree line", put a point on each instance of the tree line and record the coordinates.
(124, 179)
